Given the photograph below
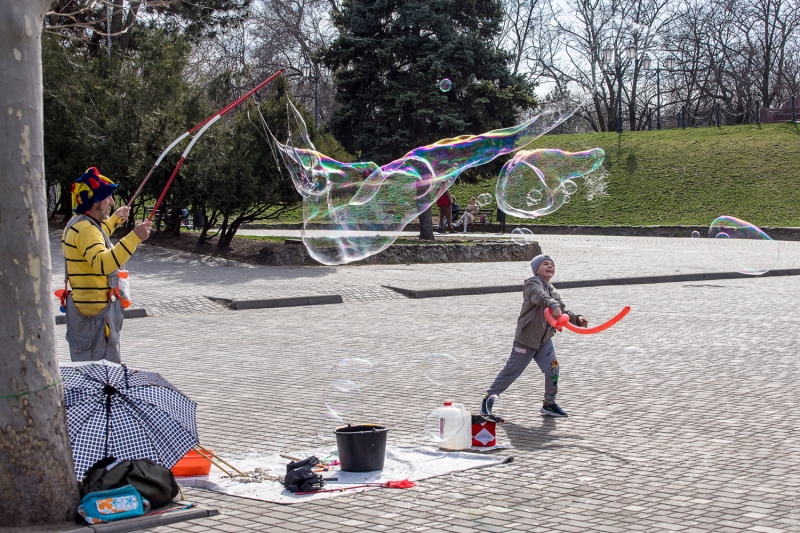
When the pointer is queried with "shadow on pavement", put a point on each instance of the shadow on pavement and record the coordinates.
(539, 435)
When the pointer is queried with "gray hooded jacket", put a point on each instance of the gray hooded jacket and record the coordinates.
(532, 329)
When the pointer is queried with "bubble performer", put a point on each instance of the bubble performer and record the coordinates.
(359, 199)
(94, 269)
(533, 338)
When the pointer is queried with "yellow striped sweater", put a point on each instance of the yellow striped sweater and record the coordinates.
(89, 261)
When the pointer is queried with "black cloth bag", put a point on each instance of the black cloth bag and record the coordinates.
(301, 478)
(154, 482)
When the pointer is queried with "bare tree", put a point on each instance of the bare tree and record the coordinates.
(647, 21)
(730, 54)
(580, 31)
(34, 444)
(277, 34)
(767, 28)
(521, 34)
(289, 33)
(694, 43)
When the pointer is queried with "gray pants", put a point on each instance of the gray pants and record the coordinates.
(86, 335)
(519, 359)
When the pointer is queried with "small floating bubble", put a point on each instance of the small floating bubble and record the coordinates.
(742, 246)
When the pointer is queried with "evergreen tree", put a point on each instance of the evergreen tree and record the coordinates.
(388, 62)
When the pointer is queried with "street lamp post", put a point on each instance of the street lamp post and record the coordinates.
(609, 55)
(670, 64)
(307, 74)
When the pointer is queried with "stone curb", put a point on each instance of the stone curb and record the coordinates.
(461, 291)
(286, 302)
(129, 313)
(146, 522)
(641, 280)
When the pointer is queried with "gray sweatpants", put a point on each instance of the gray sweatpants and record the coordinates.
(519, 360)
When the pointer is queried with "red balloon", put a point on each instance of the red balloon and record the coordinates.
(563, 321)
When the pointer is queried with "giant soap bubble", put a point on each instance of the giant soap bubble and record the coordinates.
(342, 396)
(522, 236)
(356, 201)
(538, 182)
(359, 371)
(442, 369)
(742, 246)
(327, 423)
(632, 359)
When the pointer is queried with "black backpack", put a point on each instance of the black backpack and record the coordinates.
(154, 482)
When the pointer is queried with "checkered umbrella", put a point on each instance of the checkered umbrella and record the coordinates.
(121, 412)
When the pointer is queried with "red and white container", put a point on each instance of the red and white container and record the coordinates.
(484, 432)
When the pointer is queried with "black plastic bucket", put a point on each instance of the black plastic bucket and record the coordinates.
(362, 448)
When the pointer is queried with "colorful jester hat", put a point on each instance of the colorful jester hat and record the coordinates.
(90, 188)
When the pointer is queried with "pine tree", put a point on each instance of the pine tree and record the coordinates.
(389, 60)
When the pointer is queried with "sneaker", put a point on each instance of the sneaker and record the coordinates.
(552, 410)
(487, 404)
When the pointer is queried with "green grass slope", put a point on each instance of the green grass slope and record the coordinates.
(676, 177)
(682, 177)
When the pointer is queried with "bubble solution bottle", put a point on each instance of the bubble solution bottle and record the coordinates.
(463, 420)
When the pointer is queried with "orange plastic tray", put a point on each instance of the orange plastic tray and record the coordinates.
(192, 464)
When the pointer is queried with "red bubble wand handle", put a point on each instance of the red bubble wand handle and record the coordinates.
(563, 321)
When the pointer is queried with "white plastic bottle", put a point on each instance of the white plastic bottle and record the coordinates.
(463, 438)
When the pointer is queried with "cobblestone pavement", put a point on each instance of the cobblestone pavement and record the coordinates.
(703, 437)
(168, 282)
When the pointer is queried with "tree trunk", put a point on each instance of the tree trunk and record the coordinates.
(37, 480)
(223, 230)
(125, 38)
(226, 239)
(207, 222)
(426, 225)
(173, 226)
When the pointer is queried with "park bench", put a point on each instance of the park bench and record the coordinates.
(484, 220)
(166, 217)
(486, 225)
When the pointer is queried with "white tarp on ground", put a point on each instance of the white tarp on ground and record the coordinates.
(412, 463)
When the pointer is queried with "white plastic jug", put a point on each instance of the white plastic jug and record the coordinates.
(443, 422)
(463, 439)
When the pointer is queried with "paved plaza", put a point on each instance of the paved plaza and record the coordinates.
(703, 437)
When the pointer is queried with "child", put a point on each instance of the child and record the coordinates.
(533, 339)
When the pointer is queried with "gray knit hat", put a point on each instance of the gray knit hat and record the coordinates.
(536, 261)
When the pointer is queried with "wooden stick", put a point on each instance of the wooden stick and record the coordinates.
(220, 459)
(210, 460)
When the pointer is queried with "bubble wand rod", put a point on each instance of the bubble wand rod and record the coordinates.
(210, 122)
(563, 321)
(213, 117)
